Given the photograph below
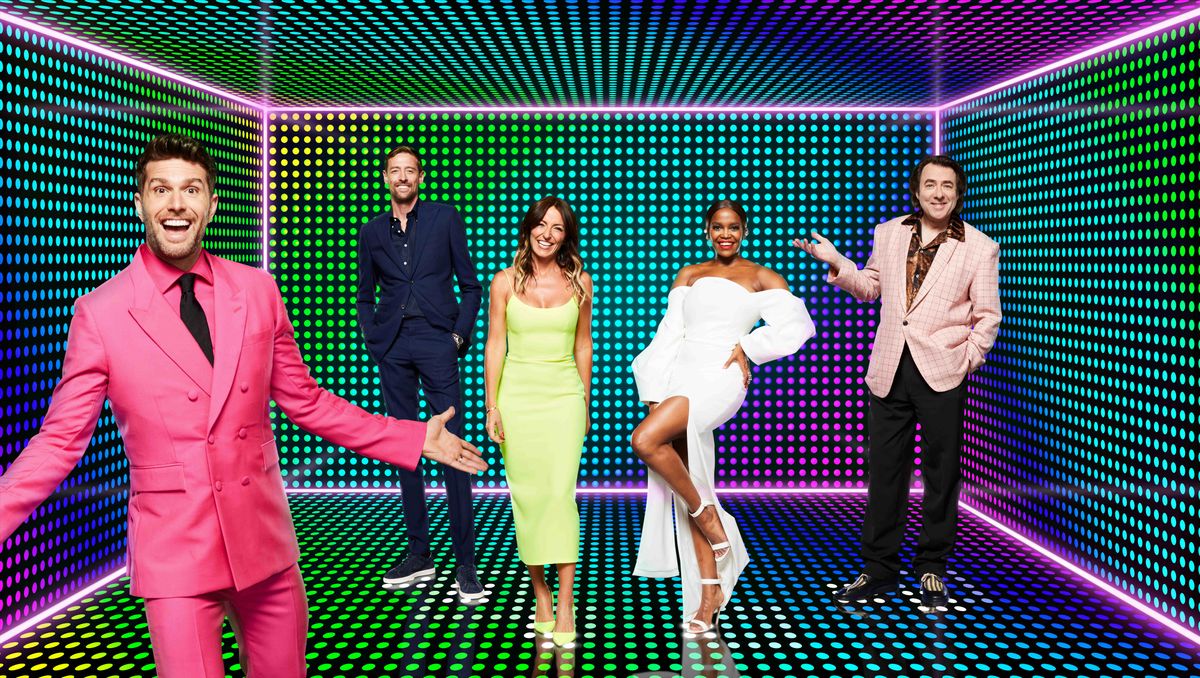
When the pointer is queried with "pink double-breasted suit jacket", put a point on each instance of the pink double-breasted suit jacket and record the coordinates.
(207, 508)
(954, 318)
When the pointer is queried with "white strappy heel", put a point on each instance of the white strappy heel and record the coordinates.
(715, 547)
(695, 626)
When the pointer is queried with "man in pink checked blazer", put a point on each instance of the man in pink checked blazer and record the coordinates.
(189, 349)
(937, 281)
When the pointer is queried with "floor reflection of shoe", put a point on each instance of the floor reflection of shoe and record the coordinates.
(414, 566)
(864, 588)
(933, 591)
(468, 584)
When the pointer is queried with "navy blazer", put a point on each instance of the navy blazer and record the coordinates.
(439, 245)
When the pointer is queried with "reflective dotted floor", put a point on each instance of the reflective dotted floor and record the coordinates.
(1013, 613)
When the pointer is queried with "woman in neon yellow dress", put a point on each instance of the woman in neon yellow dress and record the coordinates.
(538, 370)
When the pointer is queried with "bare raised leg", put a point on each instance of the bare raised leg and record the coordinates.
(652, 442)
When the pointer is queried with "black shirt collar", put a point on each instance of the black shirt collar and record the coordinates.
(411, 217)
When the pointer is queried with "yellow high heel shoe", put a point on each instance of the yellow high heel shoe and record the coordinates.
(562, 638)
(543, 628)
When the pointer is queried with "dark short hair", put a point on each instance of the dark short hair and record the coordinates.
(726, 204)
(176, 146)
(402, 149)
(960, 179)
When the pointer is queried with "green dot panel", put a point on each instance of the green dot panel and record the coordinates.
(639, 184)
(73, 126)
(781, 622)
(1082, 427)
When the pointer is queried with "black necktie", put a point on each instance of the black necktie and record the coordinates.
(193, 315)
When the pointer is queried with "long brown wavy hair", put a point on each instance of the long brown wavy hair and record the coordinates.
(567, 257)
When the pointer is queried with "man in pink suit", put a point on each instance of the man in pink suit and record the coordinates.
(937, 281)
(189, 349)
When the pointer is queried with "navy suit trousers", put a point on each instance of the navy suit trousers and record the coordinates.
(426, 356)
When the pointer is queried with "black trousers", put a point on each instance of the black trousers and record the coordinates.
(892, 427)
(427, 356)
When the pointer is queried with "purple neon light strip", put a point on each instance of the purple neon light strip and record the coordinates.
(937, 132)
(11, 634)
(568, 110)
(1140, 605)
(128, 61)
(1111, 44)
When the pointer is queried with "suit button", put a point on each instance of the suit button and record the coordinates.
(244, 386)
(905, 323)
(218, 486)
(242, 433)
(192, 395)
(245, 480)
(212, 439)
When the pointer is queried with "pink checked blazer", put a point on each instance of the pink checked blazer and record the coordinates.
(954, 318)
(206, 497)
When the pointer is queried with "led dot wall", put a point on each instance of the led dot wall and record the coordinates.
(1082, 427)
(73, 125)
(639, 183)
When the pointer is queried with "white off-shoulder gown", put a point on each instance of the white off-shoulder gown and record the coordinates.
(703, 322)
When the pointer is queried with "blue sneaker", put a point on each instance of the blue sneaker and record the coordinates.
(468, 585)
(414, 566)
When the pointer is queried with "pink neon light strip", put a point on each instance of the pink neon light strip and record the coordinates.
(128, 61)
(591, 490)
(1111, 44)
(11, 634)
(266, 187)
(566, 110)
(1139, 605)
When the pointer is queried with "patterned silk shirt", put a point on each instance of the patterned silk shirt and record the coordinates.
(921, 258)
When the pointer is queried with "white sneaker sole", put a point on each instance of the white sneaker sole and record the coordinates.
(470, 596)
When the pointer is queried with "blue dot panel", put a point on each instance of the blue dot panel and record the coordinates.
(639, 184)
(1082, 427)
(73, 126)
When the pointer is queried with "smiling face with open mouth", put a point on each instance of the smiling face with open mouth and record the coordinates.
(546, 237)
(726, 231)
(176, 203)
(404, 177)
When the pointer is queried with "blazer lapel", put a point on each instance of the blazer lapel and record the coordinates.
(899, 271)
(230, 315)
(162, 324)
(940, 263)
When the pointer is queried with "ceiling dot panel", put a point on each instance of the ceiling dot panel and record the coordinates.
(490, 53)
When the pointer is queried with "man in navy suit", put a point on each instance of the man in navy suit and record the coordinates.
(416, 331)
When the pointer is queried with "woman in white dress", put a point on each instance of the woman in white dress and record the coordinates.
(693, 376)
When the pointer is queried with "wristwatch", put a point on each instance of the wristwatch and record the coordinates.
(458, 341)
